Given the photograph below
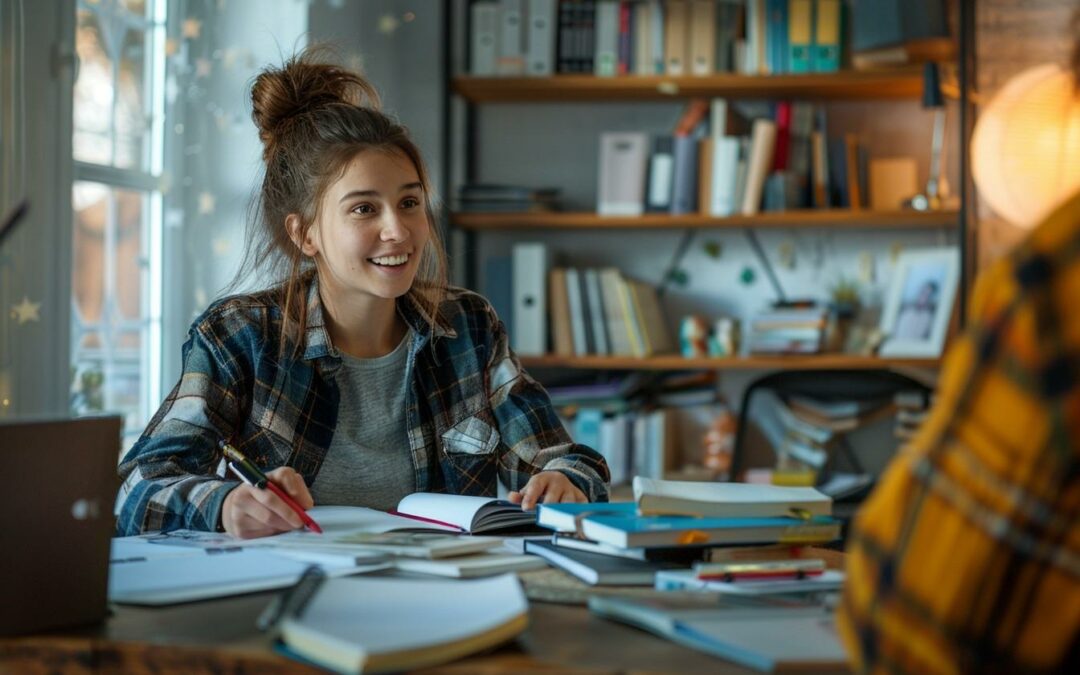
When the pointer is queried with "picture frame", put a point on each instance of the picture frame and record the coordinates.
(919, 304)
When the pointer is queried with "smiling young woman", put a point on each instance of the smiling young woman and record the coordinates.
(361, 375)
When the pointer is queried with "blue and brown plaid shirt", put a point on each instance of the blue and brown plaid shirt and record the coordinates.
(473, 414)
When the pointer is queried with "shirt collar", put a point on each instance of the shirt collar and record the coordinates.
(317, 343)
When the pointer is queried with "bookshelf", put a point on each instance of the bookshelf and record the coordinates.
(844, 85)
(500, 106)
(795, 219)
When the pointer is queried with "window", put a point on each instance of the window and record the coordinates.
(119, 110)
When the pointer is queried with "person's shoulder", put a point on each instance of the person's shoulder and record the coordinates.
(467, 312)
(238, 313)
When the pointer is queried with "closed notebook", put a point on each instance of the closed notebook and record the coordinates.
(632, 531)
(357, 625)
(598, 569)
(765, 638)
(730, 500)
(565, 517)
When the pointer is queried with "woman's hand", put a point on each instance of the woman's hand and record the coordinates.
(547, 487)
(250, 512)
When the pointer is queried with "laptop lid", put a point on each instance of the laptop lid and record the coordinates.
(56, 521)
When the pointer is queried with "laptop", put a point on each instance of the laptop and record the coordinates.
(56, 521)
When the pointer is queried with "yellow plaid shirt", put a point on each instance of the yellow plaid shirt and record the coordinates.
(966, 558)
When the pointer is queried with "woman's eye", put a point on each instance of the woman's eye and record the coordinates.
(410, 203)
(364, 209)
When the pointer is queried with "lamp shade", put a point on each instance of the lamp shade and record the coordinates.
(1025, 150)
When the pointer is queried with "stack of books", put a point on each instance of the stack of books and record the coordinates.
(672, 525)
(490, 198)
(795, 330)
(912, 409)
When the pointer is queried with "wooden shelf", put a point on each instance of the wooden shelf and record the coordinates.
(887, 84)
(676, 362)
(804, 218)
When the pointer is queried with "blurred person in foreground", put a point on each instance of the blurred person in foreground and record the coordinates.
(966, 558)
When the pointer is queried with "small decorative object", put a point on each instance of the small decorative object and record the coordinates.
(746, 277)
(843, 307)
(694, 337)
(725, 339)
(718, 443)
(919, 303)
(679, 277)
(714, 249)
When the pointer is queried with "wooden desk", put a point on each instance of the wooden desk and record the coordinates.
(220, 637)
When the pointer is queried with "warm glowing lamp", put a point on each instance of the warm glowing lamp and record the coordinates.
(1025, 151)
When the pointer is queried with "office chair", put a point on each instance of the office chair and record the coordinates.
(824, 385)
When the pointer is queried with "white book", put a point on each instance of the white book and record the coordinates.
(606, 47)
(656, 22)
(484, 31)
(643, 39)
(595, 301)
(529, 287)
(613, 446)
(540, 42)
(511, 55)
(469, 566)
(358, 624)
(166, 581)
(725, 164)
(614, 316)
(577, 311)
(623, 159)
(727, 500)
(687, 580)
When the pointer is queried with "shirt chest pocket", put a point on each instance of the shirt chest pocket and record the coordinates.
(469, 459)
(471, 436)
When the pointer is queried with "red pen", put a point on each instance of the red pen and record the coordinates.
(246, 470)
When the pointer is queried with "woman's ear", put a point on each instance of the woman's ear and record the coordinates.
(305, 241)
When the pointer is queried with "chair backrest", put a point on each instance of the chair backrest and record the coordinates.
(825, 385)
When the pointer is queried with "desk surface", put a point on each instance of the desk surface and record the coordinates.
(220, 636)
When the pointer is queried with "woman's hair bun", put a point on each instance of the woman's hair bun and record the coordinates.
(304, 83)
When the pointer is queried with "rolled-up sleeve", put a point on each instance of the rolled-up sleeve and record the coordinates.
(533, 437)
(168, 477)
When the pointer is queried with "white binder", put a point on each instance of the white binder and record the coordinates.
(484, 30)
(529, 333)
(540, 58)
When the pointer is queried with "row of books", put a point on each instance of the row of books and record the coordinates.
(717, 163)
(599, 311)
(650, 37)
(498, 198)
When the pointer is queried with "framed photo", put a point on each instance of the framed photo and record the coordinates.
(919, 303)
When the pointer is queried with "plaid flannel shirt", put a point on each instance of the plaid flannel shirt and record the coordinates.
(966, 558)
(473, 413)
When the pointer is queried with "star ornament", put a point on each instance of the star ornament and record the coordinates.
(26, 311)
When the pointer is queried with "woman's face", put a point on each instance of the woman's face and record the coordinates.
(371, 229)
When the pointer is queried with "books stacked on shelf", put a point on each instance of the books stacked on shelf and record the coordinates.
(489, 198)
(672, 523)
(656, 433)
(796, 330)
(653, 37)
(599, 311)
(912, 409)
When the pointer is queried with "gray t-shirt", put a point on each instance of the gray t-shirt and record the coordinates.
(369, 462)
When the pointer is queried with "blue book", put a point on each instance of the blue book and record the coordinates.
(630, 530)
(563, 517)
